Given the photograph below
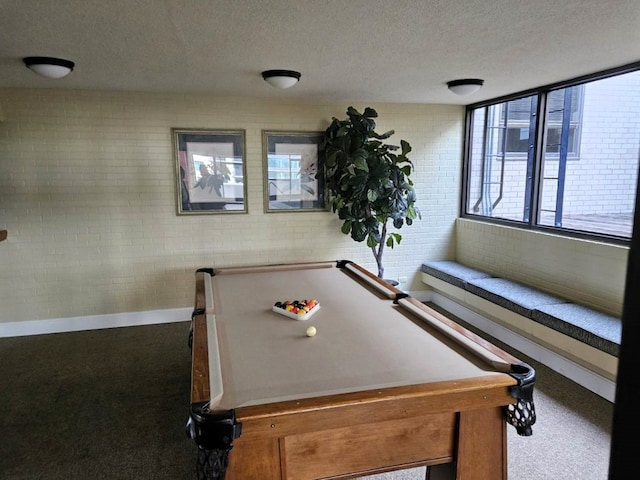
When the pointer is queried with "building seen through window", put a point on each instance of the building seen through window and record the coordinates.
(563, 158)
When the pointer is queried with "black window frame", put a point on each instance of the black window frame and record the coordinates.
(539, 134)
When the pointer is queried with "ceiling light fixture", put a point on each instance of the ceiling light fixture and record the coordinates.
(281, 78)
(49, 67)
(466, 86)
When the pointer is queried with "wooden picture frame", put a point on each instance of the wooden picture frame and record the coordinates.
(210, 171)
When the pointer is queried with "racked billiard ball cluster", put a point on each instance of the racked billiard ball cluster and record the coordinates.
(297, 309)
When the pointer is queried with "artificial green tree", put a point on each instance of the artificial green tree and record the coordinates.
(368, 181)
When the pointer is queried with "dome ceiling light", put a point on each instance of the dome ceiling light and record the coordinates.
(465, 86)
(49, 67)
(281, 78)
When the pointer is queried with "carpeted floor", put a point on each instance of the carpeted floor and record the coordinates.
(112, 404)
(102, 404)
(572, 435)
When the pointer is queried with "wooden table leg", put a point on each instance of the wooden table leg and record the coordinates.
(482, 445)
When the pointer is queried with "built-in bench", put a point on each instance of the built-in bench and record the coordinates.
(582, 334)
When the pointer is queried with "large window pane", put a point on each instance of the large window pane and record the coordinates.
(500, 160)
(590, 162)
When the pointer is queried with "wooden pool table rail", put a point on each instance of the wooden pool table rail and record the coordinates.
(522, 414)
(380, 285)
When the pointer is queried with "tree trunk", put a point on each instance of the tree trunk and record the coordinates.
(378, 254)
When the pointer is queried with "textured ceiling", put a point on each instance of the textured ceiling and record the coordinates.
(351, 50)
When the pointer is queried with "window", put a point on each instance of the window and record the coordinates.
(563, 157)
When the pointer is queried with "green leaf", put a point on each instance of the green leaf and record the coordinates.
(358, 231)
(372, 225)
(346, 227)
(369, 126)
(382, 136)
(406, 148)
(344, 213)
(330, 160)
(372, 195)
(342, 131)
(353, 112)
(369, 113)
(394, 239)
(361, 164)
(371, 242)
(374, 147)
(360, 152)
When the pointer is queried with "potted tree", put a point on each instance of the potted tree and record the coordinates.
(368, 181)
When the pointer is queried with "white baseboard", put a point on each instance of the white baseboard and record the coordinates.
(598, 384)
(93, 322)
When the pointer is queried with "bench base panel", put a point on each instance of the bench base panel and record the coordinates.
(548, 347)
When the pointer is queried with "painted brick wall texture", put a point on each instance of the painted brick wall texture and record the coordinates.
(87, 193)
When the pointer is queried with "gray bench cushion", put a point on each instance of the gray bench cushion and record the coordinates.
(453, 272)
(591, 327)
(512, 295)
(581, 323)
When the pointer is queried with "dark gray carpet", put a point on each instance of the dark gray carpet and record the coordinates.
(102, 404)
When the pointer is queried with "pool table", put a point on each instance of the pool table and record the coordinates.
(386, 383)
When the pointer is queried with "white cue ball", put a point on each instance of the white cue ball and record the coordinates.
(311, 331)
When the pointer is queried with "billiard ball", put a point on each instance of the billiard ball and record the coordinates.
(311, 331)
